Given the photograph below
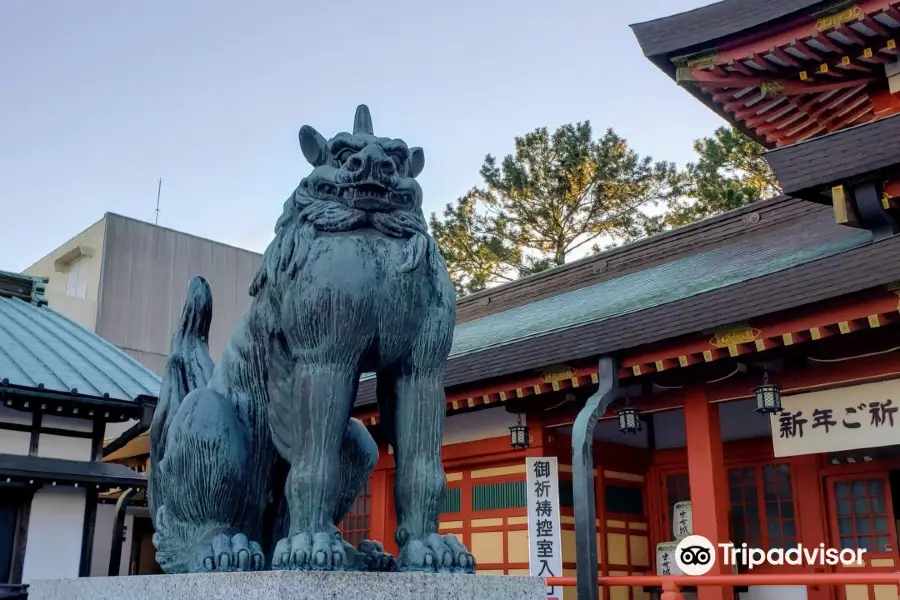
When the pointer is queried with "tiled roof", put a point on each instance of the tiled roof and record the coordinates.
(713, 22)
(669, 282)
(702, 235)
(826, 160)
(41, 349)
(69, 471)
(494, 345)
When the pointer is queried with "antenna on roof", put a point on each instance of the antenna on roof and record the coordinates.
(158, 192)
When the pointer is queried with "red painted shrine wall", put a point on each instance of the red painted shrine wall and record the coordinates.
(768, 501)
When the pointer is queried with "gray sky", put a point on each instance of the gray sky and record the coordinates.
(100, 98)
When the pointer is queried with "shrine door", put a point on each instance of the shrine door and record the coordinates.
(862, 517)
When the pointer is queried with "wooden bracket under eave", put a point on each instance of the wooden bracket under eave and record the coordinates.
(890, 195)
(844, 213)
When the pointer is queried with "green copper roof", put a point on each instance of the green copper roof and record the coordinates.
(40, 347)
(662, 284)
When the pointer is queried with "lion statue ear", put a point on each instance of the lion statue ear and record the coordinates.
(416, 161)
(313, 145)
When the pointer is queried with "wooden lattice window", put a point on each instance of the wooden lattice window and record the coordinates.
(678, 489)
(762, 506)
(497, 496)
(745, 506)
(451, 501)
(862, 514)
(355, 526)
(778, 495)
(624, 500)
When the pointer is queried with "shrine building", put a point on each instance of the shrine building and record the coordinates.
(756, 351)
(817, 84)
(61, 387)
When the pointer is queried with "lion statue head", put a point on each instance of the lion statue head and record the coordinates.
(358, 180)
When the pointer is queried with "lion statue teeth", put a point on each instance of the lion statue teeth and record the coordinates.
(255, 460)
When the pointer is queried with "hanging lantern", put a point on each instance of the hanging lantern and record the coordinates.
(629, 420)
(768, 397)
(518, 435)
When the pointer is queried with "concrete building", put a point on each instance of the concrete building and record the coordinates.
(125, 280)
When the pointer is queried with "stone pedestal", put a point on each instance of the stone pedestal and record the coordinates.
(270, 585)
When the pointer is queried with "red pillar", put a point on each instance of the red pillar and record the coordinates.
(708, 480)
(807, 483)
(378, 516)
(381, 506)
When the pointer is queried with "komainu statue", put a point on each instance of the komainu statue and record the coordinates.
(256, 460)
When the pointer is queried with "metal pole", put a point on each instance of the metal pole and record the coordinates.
(118, 534)
(583, 477)
(158, 192)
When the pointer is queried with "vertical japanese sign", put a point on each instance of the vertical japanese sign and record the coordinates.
(544, 538)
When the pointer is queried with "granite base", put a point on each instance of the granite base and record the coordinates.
(273, 585)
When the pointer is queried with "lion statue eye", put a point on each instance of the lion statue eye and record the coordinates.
(343, 155)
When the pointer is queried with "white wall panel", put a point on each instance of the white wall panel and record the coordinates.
(14, 442)
(68, 448)
(53, 550)
(69, 423)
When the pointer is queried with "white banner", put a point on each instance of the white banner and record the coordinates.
(544, 537)
(861, 416)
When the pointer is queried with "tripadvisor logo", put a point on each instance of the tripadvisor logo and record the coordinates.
(696, 555)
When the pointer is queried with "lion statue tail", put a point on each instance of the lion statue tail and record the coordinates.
(188, 367)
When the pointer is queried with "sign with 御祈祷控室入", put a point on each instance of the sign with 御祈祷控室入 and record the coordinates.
(544, 537)
(861, 416)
